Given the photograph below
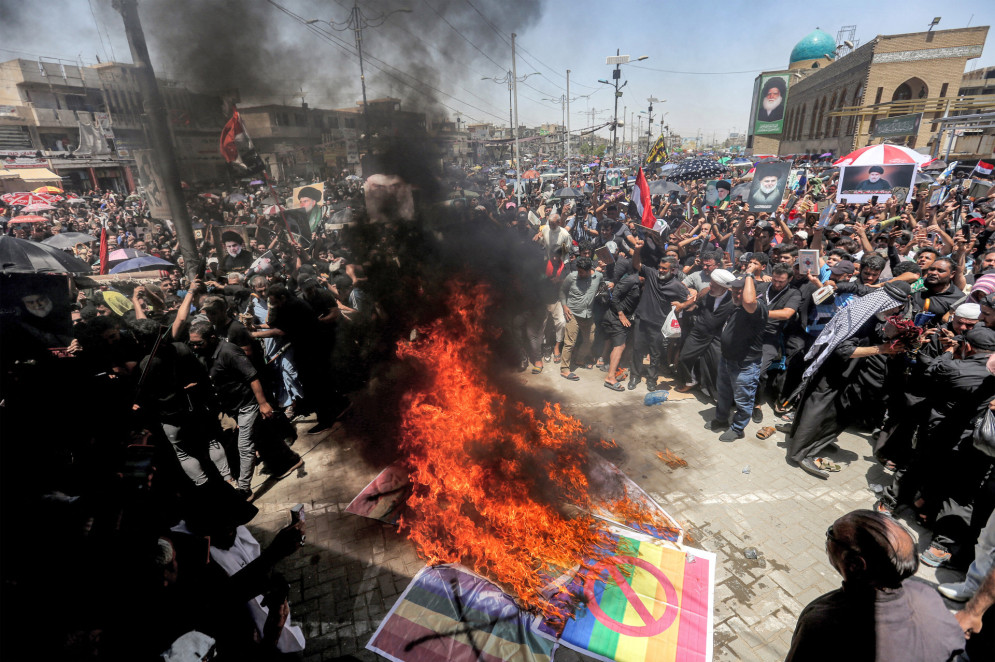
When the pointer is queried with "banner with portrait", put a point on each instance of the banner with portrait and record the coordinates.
(153, 183)
(35, 312)
(861, 183)
(770, 104)
(309, 198)
(769, 183)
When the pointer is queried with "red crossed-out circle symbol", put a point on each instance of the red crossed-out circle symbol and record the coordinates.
(651, 626)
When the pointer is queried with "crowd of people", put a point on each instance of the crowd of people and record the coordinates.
(202, 372)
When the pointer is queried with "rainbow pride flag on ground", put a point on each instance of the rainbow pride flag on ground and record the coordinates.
(653, 604)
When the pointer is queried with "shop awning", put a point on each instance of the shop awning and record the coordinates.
(30, 174)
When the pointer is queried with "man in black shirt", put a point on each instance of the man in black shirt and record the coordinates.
(239, 390)
(742, 350)
(662, 291)
(940, 295)
(782, 302)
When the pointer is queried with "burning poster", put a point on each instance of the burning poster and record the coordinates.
(648, 602)
(384, 498)
(449, 613)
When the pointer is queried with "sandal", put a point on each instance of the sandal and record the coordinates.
(766, 432)
(934, 557)
(825, 464)
(570, 375)
(537, 368)
(890, 466)
(789, 417)
(556, 358)
(881, 507)
(615, 386)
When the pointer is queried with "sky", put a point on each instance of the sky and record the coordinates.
(702, 57)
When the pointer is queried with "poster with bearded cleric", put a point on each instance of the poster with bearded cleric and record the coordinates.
(770, 104)
(861, 183)
(767, 189)
(35, 313)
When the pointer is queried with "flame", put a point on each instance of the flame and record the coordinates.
(498, 488)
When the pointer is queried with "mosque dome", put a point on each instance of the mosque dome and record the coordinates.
(813, 46)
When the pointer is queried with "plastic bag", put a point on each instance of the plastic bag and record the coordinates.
(671, 327)
(984, 433)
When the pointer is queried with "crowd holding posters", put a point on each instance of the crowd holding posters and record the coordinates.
(770, 104)
(861, 183)
(767, 189)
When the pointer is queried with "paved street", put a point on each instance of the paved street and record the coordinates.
(730, 497)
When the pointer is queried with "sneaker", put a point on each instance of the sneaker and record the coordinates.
(715, 425)
(758, 415)
(957, 591)
(245, 493)
(633, 383)
(935, 557)
(731, 435)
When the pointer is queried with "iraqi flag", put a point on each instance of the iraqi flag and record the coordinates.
(983, 168)
(644, 204)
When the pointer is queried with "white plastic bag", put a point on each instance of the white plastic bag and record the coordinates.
(671, 326)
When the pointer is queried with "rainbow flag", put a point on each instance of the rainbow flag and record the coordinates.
(653, 604)
(448, 613)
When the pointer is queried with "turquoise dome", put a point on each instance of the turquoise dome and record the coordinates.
(815, 44)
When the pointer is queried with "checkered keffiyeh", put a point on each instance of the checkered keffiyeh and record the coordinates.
(844, 324)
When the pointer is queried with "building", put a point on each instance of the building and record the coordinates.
(84, 124)
(840, 97)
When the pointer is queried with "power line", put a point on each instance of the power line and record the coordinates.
(698, 73)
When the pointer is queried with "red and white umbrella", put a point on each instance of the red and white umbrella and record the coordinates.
(30, 218)
(884, 154)
(210, 196)
(39, 206)
(273, 210)
(29, 198)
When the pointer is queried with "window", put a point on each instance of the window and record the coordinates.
(903, 93)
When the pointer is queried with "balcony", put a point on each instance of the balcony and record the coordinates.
(44, 117)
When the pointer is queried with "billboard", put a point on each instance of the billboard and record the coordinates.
(770, 103)
(903, 125)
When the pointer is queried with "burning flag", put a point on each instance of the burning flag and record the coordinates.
(236, 146)
(500, 488)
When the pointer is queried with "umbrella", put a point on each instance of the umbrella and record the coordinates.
(741, 190)
(38, 206)
(236, 197)
(666, 167)
(568, 193)
(739, 161)
(826, 155)
(48, 189)
(464, 194)
(530, 174)
(272, 210)
(30, 218)
(353, 178)
(923, 178)
(663, 187)
(697, 169)
(25, 199)
(256, 182)
(884, 154)
(75, 201)
(123, 254)
(139, 263)
(938, 164)
(19, 256)
(210, 196)
(68, 239)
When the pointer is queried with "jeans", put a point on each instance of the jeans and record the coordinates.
(737, 385)
(180, 438)
(248, 417)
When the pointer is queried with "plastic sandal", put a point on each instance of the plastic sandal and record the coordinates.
(825, 464)
(765, 432)
(614, 386)
(570, 375)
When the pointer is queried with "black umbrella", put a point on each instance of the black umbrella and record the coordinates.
(696, 169)
(923, 178)
(938, 164)
(68, 239)
(19, 256)
(663, 187)
(740, 190)
(568, 193)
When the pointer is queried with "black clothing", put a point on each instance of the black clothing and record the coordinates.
(789, 297)
(907, 624)
(938, 304)
(743, 334)
(699, 359)
(654, 304)
(239, 263)
(231, 372)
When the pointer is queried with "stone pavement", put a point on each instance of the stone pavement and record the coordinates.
(730, 497)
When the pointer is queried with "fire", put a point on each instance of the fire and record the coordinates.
(498, 488)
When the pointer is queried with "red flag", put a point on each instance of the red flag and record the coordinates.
(983, 168)
(103, 251)
(644, 202)
(229, 150)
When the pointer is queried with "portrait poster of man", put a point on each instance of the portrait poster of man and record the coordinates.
(937, 194)
(861, 183)
(770, 104)
(717, 193)
(153, 183)
(769, 183)
(232, 242)
(35, 313)
(309, 199)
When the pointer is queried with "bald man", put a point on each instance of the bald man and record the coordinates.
(877, 615)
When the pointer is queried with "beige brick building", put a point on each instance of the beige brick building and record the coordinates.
(834, 103)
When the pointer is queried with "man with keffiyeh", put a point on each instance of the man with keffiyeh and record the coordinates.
(829, 401)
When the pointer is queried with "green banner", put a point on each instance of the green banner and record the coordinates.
(770, 104)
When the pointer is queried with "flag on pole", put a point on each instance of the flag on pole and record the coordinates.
(658, 152)
(983, 168)
(644, 203)
(949, 171)
(103, 251)
(236, 146)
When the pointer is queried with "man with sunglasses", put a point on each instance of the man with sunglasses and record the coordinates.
(876, 615)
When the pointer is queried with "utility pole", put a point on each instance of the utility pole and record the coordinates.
(157, 130)
(568, 127)
(518, 165)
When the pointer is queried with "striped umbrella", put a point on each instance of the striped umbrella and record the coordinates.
(30, 218)
(29, 198)
(884, 154)
(48, 189)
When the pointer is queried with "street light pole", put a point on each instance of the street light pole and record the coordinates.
(518, 165)
(568, 127)
(618, 60)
